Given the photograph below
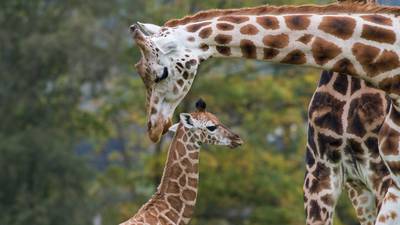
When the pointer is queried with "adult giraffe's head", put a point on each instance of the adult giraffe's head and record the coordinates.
(167, 68)
(206, 128)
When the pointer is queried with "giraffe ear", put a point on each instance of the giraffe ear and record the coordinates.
(167, 47)
(149, 28)
(187, 120)
(174, 128)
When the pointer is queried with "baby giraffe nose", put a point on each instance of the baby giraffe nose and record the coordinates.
(236, 141)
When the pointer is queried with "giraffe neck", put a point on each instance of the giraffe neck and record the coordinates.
(180, 177)
(363, 45)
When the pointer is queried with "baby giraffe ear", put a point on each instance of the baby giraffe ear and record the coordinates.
(187, 120)
(174, 127)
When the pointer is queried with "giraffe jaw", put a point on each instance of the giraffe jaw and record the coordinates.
(160, 128)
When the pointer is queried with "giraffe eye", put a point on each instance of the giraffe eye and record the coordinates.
(163, 76)
(211, 128)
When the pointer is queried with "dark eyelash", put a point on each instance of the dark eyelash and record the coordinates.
(212, 128)
(163, 76)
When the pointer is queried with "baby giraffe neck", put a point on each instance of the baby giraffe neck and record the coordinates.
(181, 174)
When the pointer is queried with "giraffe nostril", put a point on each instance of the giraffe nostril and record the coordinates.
(235, 137)
(132, 28)
(149, 125)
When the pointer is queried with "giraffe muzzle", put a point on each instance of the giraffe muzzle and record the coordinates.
(158, 129)
(235, 141)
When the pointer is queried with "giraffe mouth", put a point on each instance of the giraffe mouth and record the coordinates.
(236, 142)
(160, 128)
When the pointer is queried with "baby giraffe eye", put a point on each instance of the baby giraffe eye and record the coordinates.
(211, 128)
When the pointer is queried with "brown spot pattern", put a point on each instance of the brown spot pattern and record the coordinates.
(204, 47)
(390, 144)
(185, 75)
(268, 22)
(391, 85)
(322, 179)
(297, 22)
(195, 27)
(173, 216)
(188, 211)
(182, 180)
(189, 195)
(326, 111)
(249, 29)
(341, 84)
(344, 66)
(234, 19)
(175, 202)
(391, 197)
(153, 110)
(328, 200)
(276, 41)
(223, 39)
(341, 27)
(223, 50)
(394, 167)
(296, 57)
(323, 51)
(305, 38)
(270, 53)
(225, 26)
(192, 182)
(248, 49)
(279, 10)
(378, 34)
(173, 187)
(378, 19)
(371, 63)
(194, 155)
(176, 170)
(205, 33)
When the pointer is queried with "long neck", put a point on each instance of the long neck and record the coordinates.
(365, 46)
(180, 178)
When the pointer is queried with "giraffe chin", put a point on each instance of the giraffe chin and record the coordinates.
(160, 128)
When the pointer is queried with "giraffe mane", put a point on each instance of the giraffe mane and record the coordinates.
(346, 7)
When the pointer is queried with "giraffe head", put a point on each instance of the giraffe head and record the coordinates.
(206, 127)
(167, 68)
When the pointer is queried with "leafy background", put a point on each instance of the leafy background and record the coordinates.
(74, 148)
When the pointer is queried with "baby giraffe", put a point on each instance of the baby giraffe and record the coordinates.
(174, 201)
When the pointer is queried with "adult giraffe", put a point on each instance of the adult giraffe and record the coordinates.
(345, 116)
(360, 40)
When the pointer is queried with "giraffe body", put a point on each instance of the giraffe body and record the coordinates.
(175, 199)
(345, 116)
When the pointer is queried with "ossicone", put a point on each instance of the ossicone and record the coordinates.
(201, 105)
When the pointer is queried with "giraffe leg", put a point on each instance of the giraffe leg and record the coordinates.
(389, 213)
(322, 187)
(389, 148)
(363, 201)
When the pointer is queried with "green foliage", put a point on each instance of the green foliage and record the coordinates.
(42, 181)
(67, 81)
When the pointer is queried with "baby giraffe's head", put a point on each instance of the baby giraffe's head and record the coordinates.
(205, 128)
